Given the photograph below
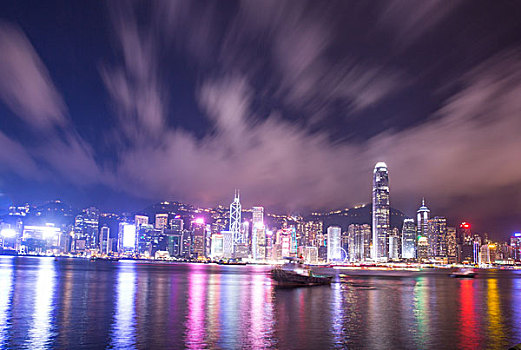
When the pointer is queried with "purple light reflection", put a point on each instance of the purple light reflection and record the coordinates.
(124, 329)
(6, 290)
(195, 327)
(40, 333)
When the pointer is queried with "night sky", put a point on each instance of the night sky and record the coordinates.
(123, 103)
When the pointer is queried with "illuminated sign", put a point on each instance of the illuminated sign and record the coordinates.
(465, 225)
(517, 234)
(129, 236)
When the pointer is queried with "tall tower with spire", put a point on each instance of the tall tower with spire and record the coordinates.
(235, 219)
(423, 219)
(380, 212)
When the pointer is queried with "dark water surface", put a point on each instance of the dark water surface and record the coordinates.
(78, 304)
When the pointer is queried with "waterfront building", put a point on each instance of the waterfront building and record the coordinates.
(408, 239)
(423, 248)
(451, 244)
(515, 243)
(198, 240)
(217, 250)
(235, 219)
(126, 238)
(422, 223)
(487, 254)
(380, 212)
(394, 245)
(437, 236)
(86, 229)
(104, 239)
(258, 234)
(310, 255)
(359, 242)
(334, 249)
(228, 244)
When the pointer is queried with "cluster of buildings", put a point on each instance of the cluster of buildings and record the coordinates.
(174, 230)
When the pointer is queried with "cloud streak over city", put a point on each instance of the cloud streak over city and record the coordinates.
(269, 82)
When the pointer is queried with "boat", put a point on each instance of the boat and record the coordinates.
(289, 278)
(463, 273)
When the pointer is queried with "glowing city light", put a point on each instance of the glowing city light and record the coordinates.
(465, 225)
(129, 236)
(517, 234)
(8, 232)
(199, 221)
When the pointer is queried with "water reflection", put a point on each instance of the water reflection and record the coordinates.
(468, 332)
(337, 314)
(40, 330)
(421, 311)
(261, 312)
(195, 332)
(124, 326)
(6, 290)
(494, 312)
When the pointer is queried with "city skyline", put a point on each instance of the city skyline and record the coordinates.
(123, 104)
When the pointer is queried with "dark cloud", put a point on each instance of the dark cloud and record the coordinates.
(26, 86)
(276, 54)
(27, 89)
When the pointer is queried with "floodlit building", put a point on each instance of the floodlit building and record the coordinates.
(380, 212)
(334, 248)
(235, 219)
(258, 234)
(422, 223)
(359, 242)
(217, 250)
(228, 244)
(408, 239)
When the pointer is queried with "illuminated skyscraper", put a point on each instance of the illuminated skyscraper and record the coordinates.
(161, 221)
(359, 242)
(408, 239)
(258, 234)
(334, 250)
(380, 212)
(423, 218)
(235, 219)
(437, 236)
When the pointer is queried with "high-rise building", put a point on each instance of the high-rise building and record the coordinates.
(161, 221)
(228, 244)
(359, 242)
(423, 248)
(140, 220)
(408, 239)
(176, 224)
(198, 239)
(452, 246)
(235, 219)
(380, 212)
(105, 240)
(334, 249)
(515, 244)
(394, 244)
(437, 236)
(86, 229)
(217, 250)
(422, 220)
(258, 234)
